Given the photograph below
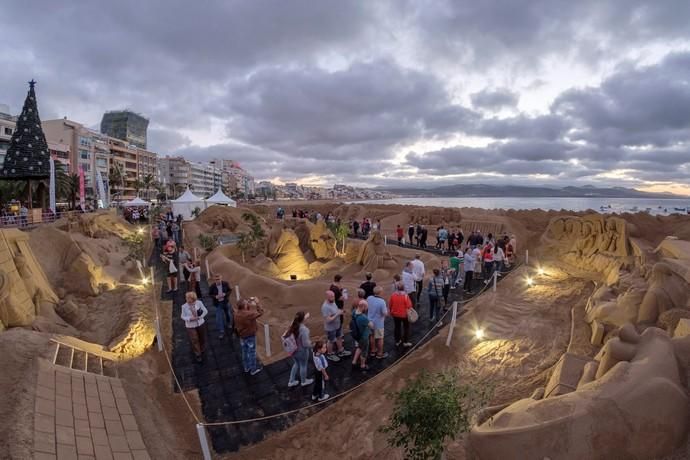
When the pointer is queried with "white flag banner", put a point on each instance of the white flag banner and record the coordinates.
(52, 185)
(101, 190)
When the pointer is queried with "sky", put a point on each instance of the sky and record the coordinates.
(387, 93)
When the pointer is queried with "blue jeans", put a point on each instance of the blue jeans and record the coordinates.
(433, 306)
(248, 353)
(301, 358)
(176, 236)
(223, 316)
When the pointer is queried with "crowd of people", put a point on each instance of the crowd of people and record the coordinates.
(370, 308)
(136, 215)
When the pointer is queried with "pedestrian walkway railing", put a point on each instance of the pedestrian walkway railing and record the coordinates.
(201, 425)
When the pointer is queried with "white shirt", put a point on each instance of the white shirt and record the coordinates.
(188, 312)
(418, 269)
(469, 261)
(499, 255)
(408, 280)
(194, 272)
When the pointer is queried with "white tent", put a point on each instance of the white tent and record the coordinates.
(186, 204)
(221, 198)
(136, 203)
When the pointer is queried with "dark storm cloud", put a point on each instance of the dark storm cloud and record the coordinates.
(494, 98)
(362, 111)
(547, 127)
(637, 106)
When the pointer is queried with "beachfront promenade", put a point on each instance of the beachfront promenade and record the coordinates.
(227, 393)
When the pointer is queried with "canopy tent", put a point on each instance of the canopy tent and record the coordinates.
(186, 204)
(221, 198)
(136, 203)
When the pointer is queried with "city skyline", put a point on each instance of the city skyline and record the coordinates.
(390, 94)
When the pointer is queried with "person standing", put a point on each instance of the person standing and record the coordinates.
(399, 303)
(446, 275)
(220, 292)
(332, 321)
(368, 285)
(409, 282)
(363, 326)
(193, 314)
(340, 297)
(245, 322)
(321, 375)
(300, 357)
(399, 232)
(194, 277)
(168, 259)
(470, 260)
(183, 257)
(425, 235)
(410, 234)
(418, 271)
(499, 259)
(435, 290)
(488, 256)
(456, 261)
(156, 236)
(377, 312)
(24, 215)
(175, 228)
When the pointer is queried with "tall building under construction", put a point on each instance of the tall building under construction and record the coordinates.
(127, 126)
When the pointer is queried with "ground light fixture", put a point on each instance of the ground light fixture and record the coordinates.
(479, 333)
(540, 271)
(529, 281)
(145, 281)
(140, 230)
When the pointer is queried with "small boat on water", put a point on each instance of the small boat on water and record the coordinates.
(648, 210)
(679, 209)
(634, 209)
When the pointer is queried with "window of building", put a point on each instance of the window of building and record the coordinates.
(83, 141)
(8, 131)
(102, 162)
(84, 154)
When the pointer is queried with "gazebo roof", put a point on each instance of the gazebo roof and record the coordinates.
(220, 198)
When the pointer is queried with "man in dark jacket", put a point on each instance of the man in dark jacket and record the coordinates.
(220, 292)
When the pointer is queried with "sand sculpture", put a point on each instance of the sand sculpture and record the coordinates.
(315, 240)
(284, 250)
(373, 255)
(24, 288)
(626, 403)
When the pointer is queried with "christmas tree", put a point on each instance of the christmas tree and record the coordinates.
(27, 157)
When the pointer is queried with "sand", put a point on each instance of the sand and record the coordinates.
(528, 329)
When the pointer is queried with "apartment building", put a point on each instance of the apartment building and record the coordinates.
(85, 149)
(176, 174)
(243, 181)
(7, 126)
(126, 126)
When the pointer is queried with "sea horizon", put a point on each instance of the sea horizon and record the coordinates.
(656, 206)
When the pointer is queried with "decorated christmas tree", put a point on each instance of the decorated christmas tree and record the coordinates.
(27, 157)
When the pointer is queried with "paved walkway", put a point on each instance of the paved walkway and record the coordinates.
(227, 393)
(82, 416)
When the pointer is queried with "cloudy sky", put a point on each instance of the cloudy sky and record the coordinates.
(376, 93)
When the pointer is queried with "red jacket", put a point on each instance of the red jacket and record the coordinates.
(398, 304)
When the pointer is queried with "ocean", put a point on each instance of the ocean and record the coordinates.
(654, 206)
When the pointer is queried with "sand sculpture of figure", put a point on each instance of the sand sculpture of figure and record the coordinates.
(628, 403)
(283, 249)
(13, 313)
(316, 239)
(666, 291)
(373, 255)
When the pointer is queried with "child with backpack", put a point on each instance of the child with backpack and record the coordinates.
(321, 376)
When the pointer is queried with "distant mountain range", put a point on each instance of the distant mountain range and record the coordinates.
(484, 190)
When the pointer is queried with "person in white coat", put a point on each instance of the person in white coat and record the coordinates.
(193, 314)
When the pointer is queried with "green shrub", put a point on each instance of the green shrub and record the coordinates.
(430, 410)
(208, 242)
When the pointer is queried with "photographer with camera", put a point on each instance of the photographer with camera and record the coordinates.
(245, 323)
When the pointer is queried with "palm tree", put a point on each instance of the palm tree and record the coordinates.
(66, 185)
(116, 177)
(148, 182)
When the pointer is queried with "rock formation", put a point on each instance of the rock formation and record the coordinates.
(316, 240)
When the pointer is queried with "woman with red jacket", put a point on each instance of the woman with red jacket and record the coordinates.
(398, 304)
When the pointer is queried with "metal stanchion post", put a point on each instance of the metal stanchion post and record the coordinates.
(203, 440)
(385, 240)
(157, 322)
(495, 277)
(526, 256)
(267, 339)
(452, 323)
(237, 292)
(208, 271)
